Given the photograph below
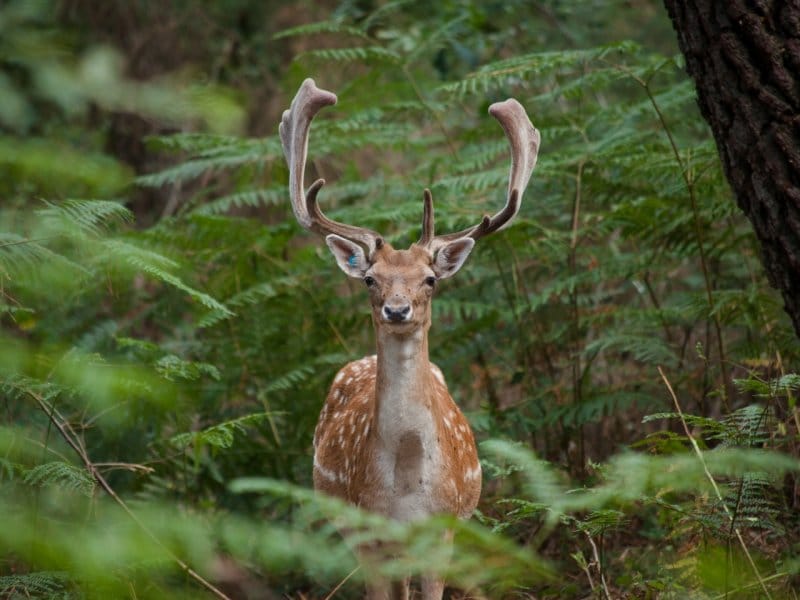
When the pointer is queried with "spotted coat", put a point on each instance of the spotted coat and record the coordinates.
(346, 463)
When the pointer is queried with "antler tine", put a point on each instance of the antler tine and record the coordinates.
(293, 130)
(524, 140)
(427, 218)
(323, 225)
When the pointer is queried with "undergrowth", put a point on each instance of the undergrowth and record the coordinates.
(618, 351)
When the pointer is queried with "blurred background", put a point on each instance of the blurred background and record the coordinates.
(168, 332)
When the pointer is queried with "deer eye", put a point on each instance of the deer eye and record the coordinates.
(370, 281)
(431, 281)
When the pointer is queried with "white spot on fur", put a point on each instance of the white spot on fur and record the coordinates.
(329, 475)
(474, 472)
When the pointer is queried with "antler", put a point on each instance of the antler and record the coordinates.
(294, 128)
(524, 140)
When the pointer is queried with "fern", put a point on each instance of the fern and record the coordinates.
(321, 27)
(61, 475)
(248, 198)
(153, 338)
(598, 522)
(23, 255)
(540, 63)
(89, 216)
(172, 367)
(41, 584)
(354, 54)
(219, 436)
(154, 265)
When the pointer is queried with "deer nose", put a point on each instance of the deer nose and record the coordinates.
(397, 313)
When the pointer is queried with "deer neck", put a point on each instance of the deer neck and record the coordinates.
(406, 452)
(403, 386)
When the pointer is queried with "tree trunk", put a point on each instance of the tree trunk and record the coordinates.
(744, 58)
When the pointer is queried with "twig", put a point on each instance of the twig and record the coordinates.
(749, 585)
(126, 466)
(577, 380)
(67, 433)
(342, 582)
(599, 565)
(585, 566)
(713, 483)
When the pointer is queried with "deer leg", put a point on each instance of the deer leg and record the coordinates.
(384, 590)
(400, 589)
(378, 591)
(432, 588)
(379, 588)
(433, 585)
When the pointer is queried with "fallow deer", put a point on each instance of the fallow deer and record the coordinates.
(390, 439)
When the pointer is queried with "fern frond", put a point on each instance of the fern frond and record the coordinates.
(255, 293)
(749, 426)
(41, 584)
(61, 475)
(245, 199)
(9, 470)
(538, 64)
(154, 265)
(220, 435)
(173, 368)
(19, 254)
(90, 216)
(321, 27)
(598, 522)
(372, 54)
(200, 166)
(642, 347)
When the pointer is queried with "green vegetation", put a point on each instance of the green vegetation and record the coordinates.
(168, 332)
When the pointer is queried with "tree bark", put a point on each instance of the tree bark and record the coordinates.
(744, 58)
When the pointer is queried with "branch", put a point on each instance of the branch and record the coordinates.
(69, 436)
(599, 566)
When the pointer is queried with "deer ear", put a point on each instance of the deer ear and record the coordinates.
(349, 256)
(449, 258)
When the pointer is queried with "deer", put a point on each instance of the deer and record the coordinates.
(390, 439)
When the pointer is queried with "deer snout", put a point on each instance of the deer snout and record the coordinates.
(397, 312)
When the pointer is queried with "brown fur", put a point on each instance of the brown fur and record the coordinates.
(345, 435)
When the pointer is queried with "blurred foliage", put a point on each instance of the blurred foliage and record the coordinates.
(168, 336)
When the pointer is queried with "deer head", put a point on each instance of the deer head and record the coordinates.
(400, 282)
